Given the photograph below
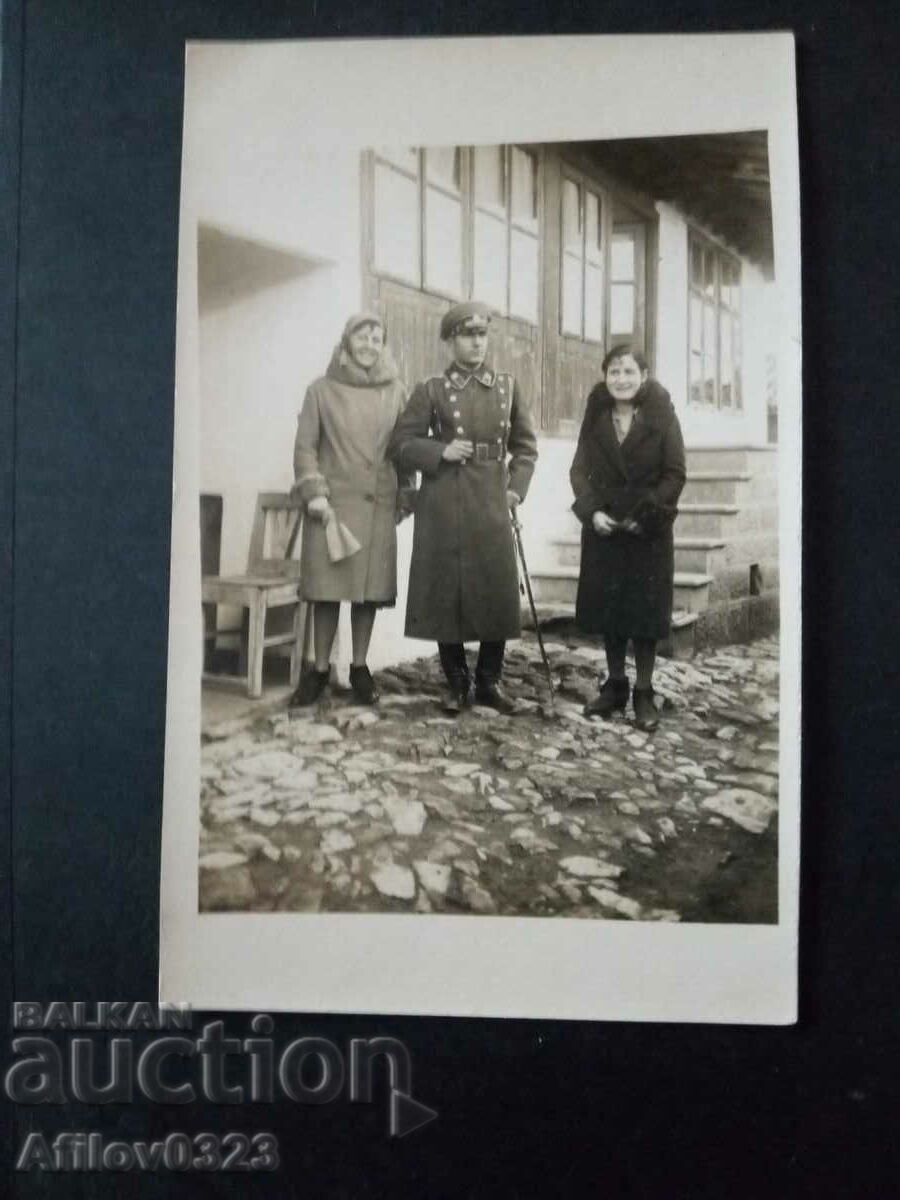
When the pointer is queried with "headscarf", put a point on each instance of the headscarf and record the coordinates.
(342, 366)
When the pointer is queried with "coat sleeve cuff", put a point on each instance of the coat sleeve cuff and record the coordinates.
(309, 487)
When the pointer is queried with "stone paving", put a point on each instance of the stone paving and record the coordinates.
(400, 808)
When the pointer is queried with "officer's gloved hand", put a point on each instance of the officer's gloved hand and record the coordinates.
(513, 499)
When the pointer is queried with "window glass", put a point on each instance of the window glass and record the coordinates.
(726, 363)
(696, 378)
(571, 208)
(696, 323)
(572, 281)
(709, 379)
(709, 273)
(696, 264)
(736, 359)
(622, 257)
(709, 330)
(443, 243)
(524, 283)
(489, 178)
(442, 166)
(621, 308)
(490, 261)
(593, 234)
(524, 192)
(396, 224)
(593, 303)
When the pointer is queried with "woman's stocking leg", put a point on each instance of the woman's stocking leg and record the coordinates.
(362, 618)
(644, 661)
(325, 620)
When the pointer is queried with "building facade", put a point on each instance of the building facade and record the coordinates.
(661, 243)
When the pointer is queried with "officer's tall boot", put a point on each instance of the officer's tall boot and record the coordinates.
(488, 690)
(456, 670)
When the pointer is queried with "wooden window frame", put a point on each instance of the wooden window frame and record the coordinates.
(585, 184)
(720, 255)
(468, 206)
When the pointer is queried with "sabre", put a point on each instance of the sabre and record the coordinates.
(517, 534)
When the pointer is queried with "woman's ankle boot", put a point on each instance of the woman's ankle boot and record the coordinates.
(645, 715)
(612, 697)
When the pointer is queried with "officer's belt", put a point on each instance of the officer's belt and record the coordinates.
(488, 452)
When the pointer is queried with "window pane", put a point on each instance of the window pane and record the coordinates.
(490, 261)
(593, 240)
(523, 276)
(396, 224)
(593, 303)
(442, 166)
(622, 257)
(709, 380)
(571, 209)
(489, 189)
(736, 287)
(726, 362)
(524, 200)
(696, 324)
(709, 330)
(696, 379)
(571, 294)
(406, 157)
(443, 243)
(696, 264)
(621, 308)
(736, 359)
(709, 273)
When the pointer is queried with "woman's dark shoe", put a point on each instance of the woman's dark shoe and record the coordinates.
(364, 689)
(645, 715)
(612, 697)
(312, 685)
(456, 697)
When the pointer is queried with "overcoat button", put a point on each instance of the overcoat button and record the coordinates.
(459, 429)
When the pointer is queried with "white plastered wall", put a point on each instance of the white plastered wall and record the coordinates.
(277, 241)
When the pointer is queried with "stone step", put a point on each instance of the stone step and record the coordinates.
(730, 458)
(559, 585)
(680, 642)
(705, 520)
(697, 554)
(692, 591)
(713, 487)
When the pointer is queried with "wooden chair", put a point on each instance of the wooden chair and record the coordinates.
(271, 582)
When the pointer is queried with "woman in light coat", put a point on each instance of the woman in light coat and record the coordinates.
(345, 481)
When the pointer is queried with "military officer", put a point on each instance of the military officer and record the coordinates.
(470, 434)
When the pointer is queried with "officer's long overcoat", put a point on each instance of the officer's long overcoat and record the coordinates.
(463, 583)
(340, 452)
(625, 583)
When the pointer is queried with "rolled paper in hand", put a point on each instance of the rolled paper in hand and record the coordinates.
(340, 541)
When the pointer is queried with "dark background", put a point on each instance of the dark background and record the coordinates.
(91, 137)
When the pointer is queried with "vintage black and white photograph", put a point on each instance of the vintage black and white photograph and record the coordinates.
(484, 605)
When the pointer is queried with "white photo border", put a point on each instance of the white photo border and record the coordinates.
(467, 91)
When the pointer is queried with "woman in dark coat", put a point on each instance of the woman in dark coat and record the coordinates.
(348, 484)
(627, 475)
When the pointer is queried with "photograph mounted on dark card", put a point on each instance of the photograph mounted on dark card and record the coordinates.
(484, 638)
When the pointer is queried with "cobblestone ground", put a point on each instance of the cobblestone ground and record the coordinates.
(402, 809)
